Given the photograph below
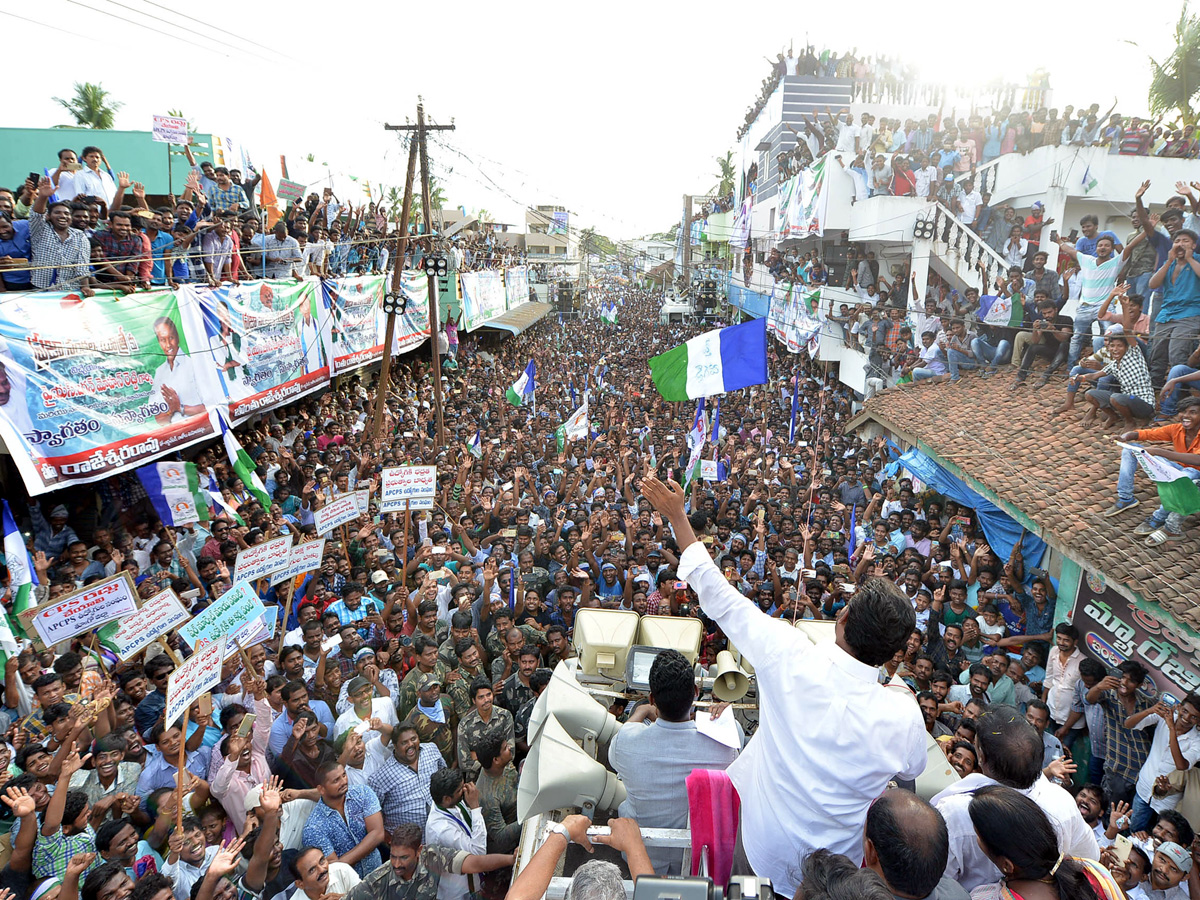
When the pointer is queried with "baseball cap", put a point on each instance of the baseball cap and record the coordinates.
(357, 683)
(379, 577)
(427, 681)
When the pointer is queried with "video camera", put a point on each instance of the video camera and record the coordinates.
(675, 887)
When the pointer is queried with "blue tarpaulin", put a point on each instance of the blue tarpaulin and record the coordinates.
(1000, 529)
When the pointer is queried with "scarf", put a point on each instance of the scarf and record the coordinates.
(435, 713)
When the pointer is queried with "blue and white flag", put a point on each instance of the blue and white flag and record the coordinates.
(475, 446)
(716, 429)
(695, 437)
(524, 386)
(175, 492)
(795, 405)
(715, 362)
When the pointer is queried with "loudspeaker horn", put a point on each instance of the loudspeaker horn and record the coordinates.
(557, 774)
(577, 711)
(731, 683)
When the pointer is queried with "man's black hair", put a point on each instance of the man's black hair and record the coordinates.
(108, 831)
(910, 840)
(444, 783)
(46, 680)
(1134, 670)
(103, 874)
(488, 747)
(673, 685)
(1010, 749)
(878, 622)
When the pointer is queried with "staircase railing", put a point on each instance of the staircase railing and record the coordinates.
(964, 251)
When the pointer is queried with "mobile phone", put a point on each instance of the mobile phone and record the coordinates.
(681, 585)
(34, 178)
(205, 704)
(245, 726)
(439, 551)
(1121, 847)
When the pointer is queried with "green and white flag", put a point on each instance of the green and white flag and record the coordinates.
(243, 465)
(609, 315)
(576, 427)
(524, 386)
(1177, 492)
(21, 579)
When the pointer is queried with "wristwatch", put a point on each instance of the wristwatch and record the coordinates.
(558, 828)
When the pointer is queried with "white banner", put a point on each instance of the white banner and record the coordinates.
(262, 560)
(199, 673)
(401, 483)
(82, 610)
(158, 615)
(340, 511)
(303, 558)
(170, 130)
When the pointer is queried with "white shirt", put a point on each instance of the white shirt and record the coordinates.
(844, 735)
(183, 378)
(1060, 685)
(970, 204)
(342, 878)
(846, 135)
(1160, 761)
(381, 709)
(86, 183)
(446, 828)
(967, 863)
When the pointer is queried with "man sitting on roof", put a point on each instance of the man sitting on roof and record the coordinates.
(1163, 525)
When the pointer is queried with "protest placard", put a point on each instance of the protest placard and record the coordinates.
(80, 611)
(233, 610)
(302, 558)
(363, 499)
(263, 559)
(342, 510)
(421, 503)
(708, 469)
(199, 673)
(289, 190)
(170, 129)
(253, 632)
(132, 634)
(406, 483)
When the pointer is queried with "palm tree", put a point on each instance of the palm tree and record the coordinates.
(179, 114)
(726, 173)
(92, 106)
(1176, 80)
(483, 215)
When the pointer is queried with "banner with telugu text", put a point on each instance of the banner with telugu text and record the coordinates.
(90, 387)
(353, 321)
(483, 297)
(262, 341)
(516, 286)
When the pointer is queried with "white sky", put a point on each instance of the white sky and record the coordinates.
(611, 110)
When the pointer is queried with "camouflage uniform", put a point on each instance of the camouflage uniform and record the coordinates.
(521, 720)
(407, 701)
(446, 654)
(494, 645)
(460, 691)
(382, 884)
(498, 800)
(439, 733)
(515, 693)
(471, 728)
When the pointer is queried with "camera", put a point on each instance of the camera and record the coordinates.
(675, 887)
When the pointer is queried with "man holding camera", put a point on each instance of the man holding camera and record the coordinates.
(821, 707)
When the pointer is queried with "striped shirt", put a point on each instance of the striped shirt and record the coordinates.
(1126, 749)
(232, 197)
(57, 262)
(1096, 278)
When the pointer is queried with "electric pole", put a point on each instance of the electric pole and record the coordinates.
(421, 128)
(392, 301)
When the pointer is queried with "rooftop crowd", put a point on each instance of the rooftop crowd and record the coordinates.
(87, 226)
(391, 709)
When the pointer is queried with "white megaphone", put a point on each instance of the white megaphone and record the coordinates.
(938, 774)
(557, 774)
(731, 683)
(581, 716)
(602, 638)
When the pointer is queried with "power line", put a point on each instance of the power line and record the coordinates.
(55, 28)
(173, 37)
(224, 31)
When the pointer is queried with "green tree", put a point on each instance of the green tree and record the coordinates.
(590, 241)
(1176, 79)
(725, 173)
(92, 106)
(179, 114)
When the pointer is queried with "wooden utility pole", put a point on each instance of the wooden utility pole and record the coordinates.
(422, 129)
(385, 370)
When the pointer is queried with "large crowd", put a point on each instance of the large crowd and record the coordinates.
(371, 748)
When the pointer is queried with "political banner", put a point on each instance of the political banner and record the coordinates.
(134, 633)
(82, 610)
(1112, 630)
(289, 190)
(93, 387)
(353, 321)
(363, 499)
(170, 130)
(406, 483)
(253, 632)
(337, 512)
(263, 559)
(262, 342)
(708, 469)
(421, 503)
(197, 676)
(483, 297)
(804, 201)
(236, 608)
(516, 286)
(412, 327)
(302, 558)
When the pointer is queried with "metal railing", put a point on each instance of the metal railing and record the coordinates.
(955, 237)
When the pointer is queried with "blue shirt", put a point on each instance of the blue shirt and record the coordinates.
(281, 728)
(328, 831)
(148, 711)
(1181, 298)
(159, 773)
(18, 245)
(1088, 244)
(1039, 622)
(158, 246)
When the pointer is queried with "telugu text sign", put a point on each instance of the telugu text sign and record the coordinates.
(289, 190)
(85, 609)
(170, 130)
(158, 615)
(342, 510)
(199, 673)
(302, 558)
(401, 483)
(233, 610)
(263, 559)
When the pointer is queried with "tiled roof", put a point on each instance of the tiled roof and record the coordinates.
(1058, 472)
